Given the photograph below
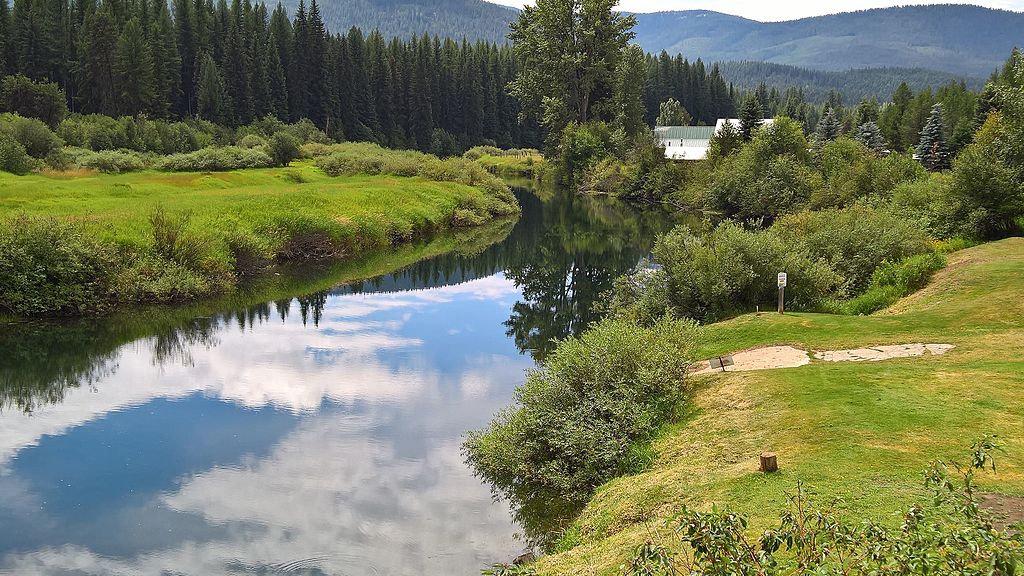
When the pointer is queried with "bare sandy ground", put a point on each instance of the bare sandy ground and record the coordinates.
(774, 357)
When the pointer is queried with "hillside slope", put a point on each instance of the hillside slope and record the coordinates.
(859, 431)
(961, 39)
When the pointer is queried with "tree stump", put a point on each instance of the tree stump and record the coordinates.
(769, 463)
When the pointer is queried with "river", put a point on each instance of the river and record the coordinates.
(313, 434)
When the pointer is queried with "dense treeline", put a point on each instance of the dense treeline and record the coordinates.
(231, 64)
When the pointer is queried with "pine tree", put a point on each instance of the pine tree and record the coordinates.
(298, 87)
(133, 71)
(187, 52)
(166, 61)
(829, 127)
(672, 113)
(99, 41)
(751, 116)
(277, 83)
(315, 56)
(211, 100)
(7, 63)
(236, 75)
(870, 135)
(34, 38)
(933, 149)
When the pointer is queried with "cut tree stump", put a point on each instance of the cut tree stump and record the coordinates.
(769, 463)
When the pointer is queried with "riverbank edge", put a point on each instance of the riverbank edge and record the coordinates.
(456, 211)
(628, 510)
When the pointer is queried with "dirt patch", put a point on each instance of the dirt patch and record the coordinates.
(1008, 510)
(878, 353)
(775, 357)
(769, 358)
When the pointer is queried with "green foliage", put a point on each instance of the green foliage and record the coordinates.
(26, 97)
(854, 241)
(140, 134)
(36, 137)
(108, 161)
(953, 535)
(672, 113)
(829, 128)
(710, 276)
(283, 148)
(751, 116)
(576, 419)
(582, 146)
(48, 266)
(216, 159)
(563, 81)
(870, 135)
(13, 157)
(630, 81)
(933, 149)
(892, 281)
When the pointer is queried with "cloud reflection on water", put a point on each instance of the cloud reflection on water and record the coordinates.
(372, 464)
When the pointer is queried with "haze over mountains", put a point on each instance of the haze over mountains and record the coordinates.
(941, 42)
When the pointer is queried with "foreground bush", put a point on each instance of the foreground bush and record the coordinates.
(951, 535)
(106, 161)
(36, 137)
(13, 157)
(585, 416)
(892, 281)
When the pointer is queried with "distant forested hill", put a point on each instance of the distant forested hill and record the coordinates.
(853, 84)
(960, 39)
(472, 19)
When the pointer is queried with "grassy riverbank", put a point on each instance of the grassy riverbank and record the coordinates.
(862, 432)
(82, 242)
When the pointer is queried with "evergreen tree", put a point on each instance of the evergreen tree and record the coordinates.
(133, 71)
(187, 52)
(672, 113)
(277, 83)
(99, 40)
(315, 56)
(629, 92)
(166, 61)
(7, 63)
(751, 116)
(236, 75)
(867, 111)
(870, 135)
(933, 149)
(34, 38)
(829, 127)
(211, 100)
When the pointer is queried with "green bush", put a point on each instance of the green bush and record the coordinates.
(252, 141)
(26, 97)
(283, 148)
(582, 146)
(97, 132)
(477, 152)
(853, 241)
(109, 161)
(578, 419)
(52, 267)
(13, 157)
(33, 134)
(709, 276)
(218, 159)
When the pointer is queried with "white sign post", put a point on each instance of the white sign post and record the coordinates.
(783, 281)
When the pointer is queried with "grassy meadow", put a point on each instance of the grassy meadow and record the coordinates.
(81, 242)
(862, 432)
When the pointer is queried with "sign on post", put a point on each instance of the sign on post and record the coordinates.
(783, 281)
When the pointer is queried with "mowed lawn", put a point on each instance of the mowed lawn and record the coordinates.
(373, 209)
(862, 432)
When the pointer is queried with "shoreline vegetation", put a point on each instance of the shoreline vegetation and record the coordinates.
(78, 242)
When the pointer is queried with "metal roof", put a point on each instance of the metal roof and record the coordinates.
(685, 132)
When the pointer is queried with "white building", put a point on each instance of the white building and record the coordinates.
(692, 142)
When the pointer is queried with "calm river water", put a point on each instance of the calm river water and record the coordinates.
(305, 435)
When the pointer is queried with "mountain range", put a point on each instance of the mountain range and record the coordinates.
(960, 40)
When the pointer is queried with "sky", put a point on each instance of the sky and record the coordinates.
(769, 11)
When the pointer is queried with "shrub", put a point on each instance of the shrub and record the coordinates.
(582, 146)
(33, 134)
(712, 275)
(51, 267)
(477, 152)
(110, 161)
(13, 157)
(217, 159)
(41, 100)
(892, 281)
(251, 141)
(283, 148)
(853, 241)
(579, 419)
